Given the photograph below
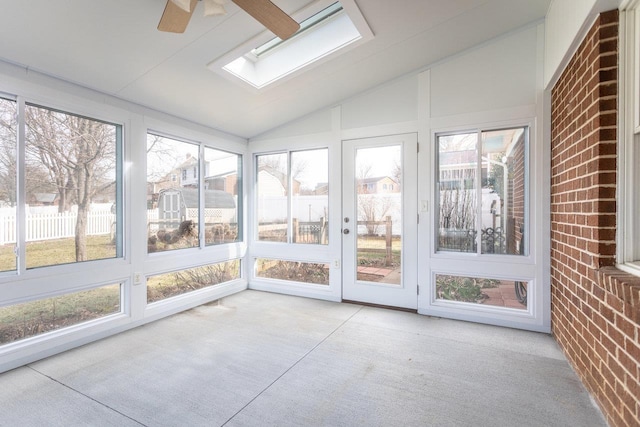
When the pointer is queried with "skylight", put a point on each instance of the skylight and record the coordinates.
(308, 23)
(328, 28)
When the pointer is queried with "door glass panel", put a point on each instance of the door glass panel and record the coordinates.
(457, 161)
(504, 182)
(378, 175)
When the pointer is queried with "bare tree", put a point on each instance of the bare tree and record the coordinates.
(372, 207)
(79, 155)
(162, 158)
(457, 209)
(397, 171)
(8, 145)
(38, 176)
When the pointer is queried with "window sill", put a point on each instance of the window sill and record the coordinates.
(632, 268)
(624, 285)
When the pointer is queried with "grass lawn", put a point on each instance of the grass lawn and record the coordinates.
(372, 251)
(58, 251)
(36, 317)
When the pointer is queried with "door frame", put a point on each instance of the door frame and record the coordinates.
(404, 295)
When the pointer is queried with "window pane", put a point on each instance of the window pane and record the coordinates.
(310, 196)
(223, 186)
(293, 271)
(172, 194)
(72, 188)
(8, 176)
(504, 183)
(494, 292)
(457, 171)
(272, 190)
(379, 207)
(167, 285)
(37, 317)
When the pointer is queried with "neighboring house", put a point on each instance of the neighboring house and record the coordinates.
(272, 182)
(457, 167)
(377, 185)
(227, 182)
(322, 189)
(189, 172)
(185, 175)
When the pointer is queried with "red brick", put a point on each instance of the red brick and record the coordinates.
(595, 310)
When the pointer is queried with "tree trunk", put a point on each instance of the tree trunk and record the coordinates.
(81, 233)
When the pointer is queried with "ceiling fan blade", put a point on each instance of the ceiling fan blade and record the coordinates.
(271, 16)
(175, 19)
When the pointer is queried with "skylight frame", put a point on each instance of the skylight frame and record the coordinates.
(259, 73)
(305, 25)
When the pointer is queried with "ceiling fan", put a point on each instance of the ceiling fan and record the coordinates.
(177, 14)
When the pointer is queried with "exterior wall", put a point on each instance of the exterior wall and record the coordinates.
(270, 185)
(516, 209)
(595, 308)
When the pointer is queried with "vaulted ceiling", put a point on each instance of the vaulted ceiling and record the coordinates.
(114, 47)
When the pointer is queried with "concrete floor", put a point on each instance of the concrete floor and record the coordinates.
(260, 359)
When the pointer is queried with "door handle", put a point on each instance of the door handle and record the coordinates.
(345, 231)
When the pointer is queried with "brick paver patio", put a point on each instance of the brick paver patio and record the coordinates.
(504, 296)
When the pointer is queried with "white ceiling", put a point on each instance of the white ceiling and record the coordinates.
(114, 47)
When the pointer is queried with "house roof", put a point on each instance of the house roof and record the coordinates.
(375, 180)
(45, 197)
(464, 157)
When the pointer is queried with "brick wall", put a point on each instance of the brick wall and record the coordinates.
(595, 308)
(517, 194)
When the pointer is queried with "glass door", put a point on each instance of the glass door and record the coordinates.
(379, 223)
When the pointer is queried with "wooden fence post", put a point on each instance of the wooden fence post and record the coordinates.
(388, 232)
(323, 230)
(295, 236)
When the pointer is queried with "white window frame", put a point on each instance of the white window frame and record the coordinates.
(289, 153)
(495, 266)
(314, 253)
(116, 263)
(628, 193)
(239, 247)
(479, 130)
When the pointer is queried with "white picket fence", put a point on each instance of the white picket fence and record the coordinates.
(49, 226)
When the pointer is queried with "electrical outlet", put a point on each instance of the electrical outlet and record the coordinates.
(336, 263)
(137, 278)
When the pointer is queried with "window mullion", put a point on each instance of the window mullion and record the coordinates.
(21, 212)
(201, 195)
(479, 193)
(289, 200)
